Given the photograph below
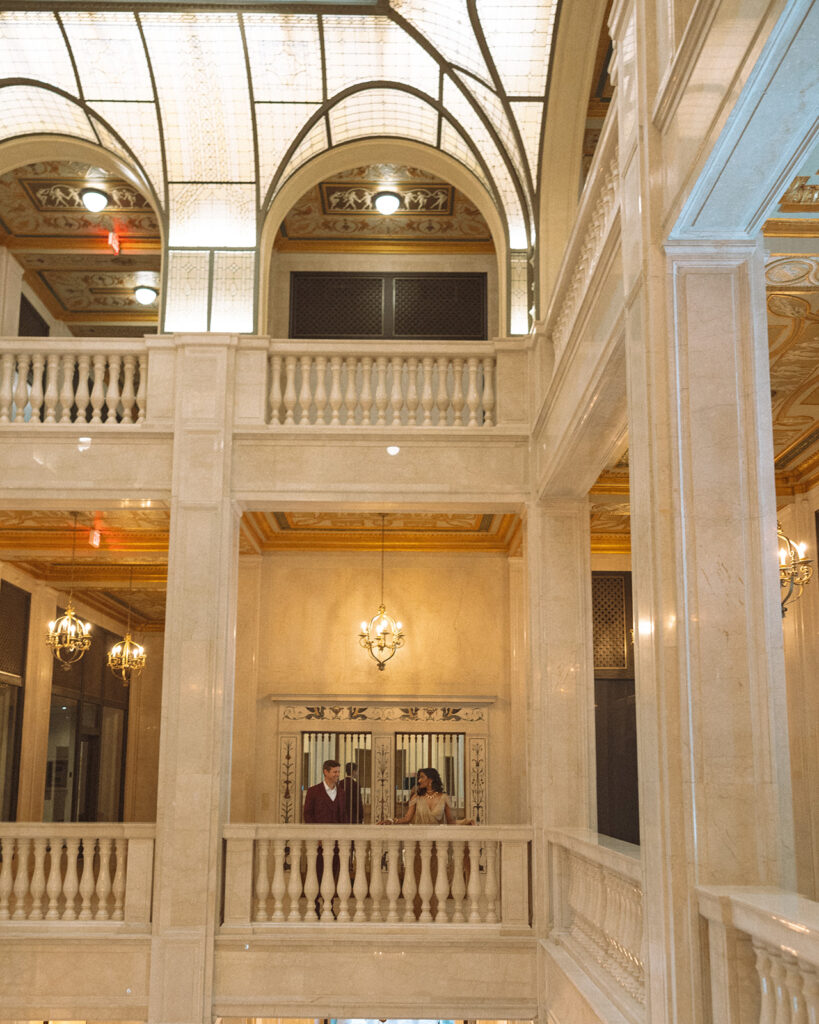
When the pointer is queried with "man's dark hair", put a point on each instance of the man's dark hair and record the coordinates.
(350, 767)
(330, 763)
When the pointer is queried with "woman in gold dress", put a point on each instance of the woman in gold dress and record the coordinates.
(430, 805)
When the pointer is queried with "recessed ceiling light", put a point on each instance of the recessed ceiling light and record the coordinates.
(145, 295)
(393, 449)
(386, 202)
(94, 199)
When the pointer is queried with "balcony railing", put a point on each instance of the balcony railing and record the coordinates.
(598, 913)
(70, 381)
(374, 875)
(763, 953)
(90, 872)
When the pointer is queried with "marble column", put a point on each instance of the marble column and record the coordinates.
(11, 284)
(558, 556)
(197, 688)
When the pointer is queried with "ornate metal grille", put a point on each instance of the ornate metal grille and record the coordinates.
(441, 306)
(336, 306)
(14, 614)
(610, 622)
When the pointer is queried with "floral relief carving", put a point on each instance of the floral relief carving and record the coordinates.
(287, 776)
(410, 713)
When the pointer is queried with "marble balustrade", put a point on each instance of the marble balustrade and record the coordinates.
(59, 381)
(89, 872)
(597, 912)
(763, 955)
(292, 874)
(355, 384)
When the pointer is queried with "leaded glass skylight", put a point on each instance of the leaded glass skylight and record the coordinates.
(361, 50)
(383, 112)
(32, 46)
(285, 57)
(26, 109)
(109, 55)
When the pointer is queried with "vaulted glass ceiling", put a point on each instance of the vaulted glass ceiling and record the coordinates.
(219, 108)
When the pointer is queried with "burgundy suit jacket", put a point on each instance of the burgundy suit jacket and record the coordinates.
(319, 809)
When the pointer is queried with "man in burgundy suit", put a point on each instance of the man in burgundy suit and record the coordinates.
(322, 804)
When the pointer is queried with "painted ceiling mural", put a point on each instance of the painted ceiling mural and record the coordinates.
(341, 211)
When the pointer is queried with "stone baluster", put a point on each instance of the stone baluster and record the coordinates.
(36, 395)
(458, 880)
(98, 389)
(425, 884)
(794, 988)
(305, 392)
(376, 880)
(780, 991)
(441, 878)
(491, 882)
(767, 1007)
(412, 391)
(381, 391)
(344, 887)
(21, 391)
(71, 881)
(320, 396)
(278, 888)
(393, 881)
(360, 884)
(128, 397)
(86, 879)
(350, 392)
(38, 880)
(366, 390)
(262, 884)
(54, 882)
(397, 391)
(426, 391)
(442, 400)
(112, 394)
(294, 882)
(311, 886)
(6, 878)
(6, 380)
(410, 887)
(474, 887)
(335, 391)
(488, 392)
(289, 390)
(458, 392)
(52, 393)
(104, 880)
(275, 399)
(83, 397)
(21, 880)
(142, 387)
(810, 980)
(473, 397)
(120, 854)
(328, 884)
(66, 388)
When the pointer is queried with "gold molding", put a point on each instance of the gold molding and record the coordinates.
(384, 246)
(781, 227)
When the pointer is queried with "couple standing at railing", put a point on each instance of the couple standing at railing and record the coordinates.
(331, 802)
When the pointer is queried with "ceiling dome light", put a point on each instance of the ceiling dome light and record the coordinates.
(145, 295)
(94, 199)
(386, 202)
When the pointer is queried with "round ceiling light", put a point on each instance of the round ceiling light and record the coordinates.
(94, 199)
(386, 202)
(145, 295)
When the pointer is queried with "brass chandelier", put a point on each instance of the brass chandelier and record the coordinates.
(795, 570)
(68, 636)
(382, 635)
(127, 658)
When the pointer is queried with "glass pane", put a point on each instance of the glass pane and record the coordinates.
(348, 748)
(9, 704)
(62, 739)
(441, 750)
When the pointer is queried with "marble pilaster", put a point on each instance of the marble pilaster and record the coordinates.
(11, 284)
(197, 691)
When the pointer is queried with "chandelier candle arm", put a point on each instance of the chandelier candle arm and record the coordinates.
(795, 570)
(68, 636)
(127, 658)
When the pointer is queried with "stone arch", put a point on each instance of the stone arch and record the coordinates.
(366, 151)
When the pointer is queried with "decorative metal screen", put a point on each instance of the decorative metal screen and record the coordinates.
(14, 614)
(442, 750)
(388, 305)
(610, 621)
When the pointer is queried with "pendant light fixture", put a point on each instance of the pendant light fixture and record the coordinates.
(382, 635)
(127, 658)
(68, 637)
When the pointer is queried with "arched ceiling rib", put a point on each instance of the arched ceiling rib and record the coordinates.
(211, 103)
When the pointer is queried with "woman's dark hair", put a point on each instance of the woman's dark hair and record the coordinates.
(434, 778)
